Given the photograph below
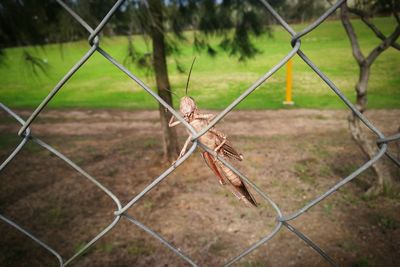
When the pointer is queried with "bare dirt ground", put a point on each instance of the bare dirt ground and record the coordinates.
(293, 155)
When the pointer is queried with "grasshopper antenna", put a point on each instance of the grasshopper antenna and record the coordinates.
(190, 72)
(169, 90)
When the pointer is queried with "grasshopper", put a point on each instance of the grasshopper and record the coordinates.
(215, 140)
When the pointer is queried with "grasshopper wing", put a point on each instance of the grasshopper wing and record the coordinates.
(246, 196)
(240, 191)
(229, 151)
(236, 185)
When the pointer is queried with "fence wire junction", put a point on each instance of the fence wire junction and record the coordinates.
(121, 210)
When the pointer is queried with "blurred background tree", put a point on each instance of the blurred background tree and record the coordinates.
(25, 23)
(234, 20)
(366, 9)
(162, 24)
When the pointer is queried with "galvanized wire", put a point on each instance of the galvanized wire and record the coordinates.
(121, 210)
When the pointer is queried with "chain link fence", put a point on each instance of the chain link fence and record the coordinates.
(121, 210)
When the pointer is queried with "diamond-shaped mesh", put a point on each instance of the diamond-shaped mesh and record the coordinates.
(121, 211)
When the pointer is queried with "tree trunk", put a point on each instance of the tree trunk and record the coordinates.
(368, 146)
(170, 143)
(361, 87)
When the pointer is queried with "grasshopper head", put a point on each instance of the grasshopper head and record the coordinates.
(188, 107)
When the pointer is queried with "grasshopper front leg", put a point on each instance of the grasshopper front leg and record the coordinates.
(220, 135)
(173, 123)
(220, 145)
(207, 117)
(183, 151)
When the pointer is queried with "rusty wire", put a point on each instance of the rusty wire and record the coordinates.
(121, 210)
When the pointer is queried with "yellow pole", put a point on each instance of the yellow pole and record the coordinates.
(289, 75)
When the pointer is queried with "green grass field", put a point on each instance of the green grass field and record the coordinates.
(215, 82)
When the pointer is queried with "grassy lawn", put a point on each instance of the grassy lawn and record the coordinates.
(216, 82)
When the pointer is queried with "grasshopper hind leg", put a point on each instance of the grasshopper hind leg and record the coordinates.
(211, 164)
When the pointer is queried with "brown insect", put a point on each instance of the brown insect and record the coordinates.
(217, 141)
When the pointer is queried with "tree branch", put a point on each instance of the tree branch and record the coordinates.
(383, 46)
(396, 16)
(394, 8)
(344, 15)
(365, 18)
